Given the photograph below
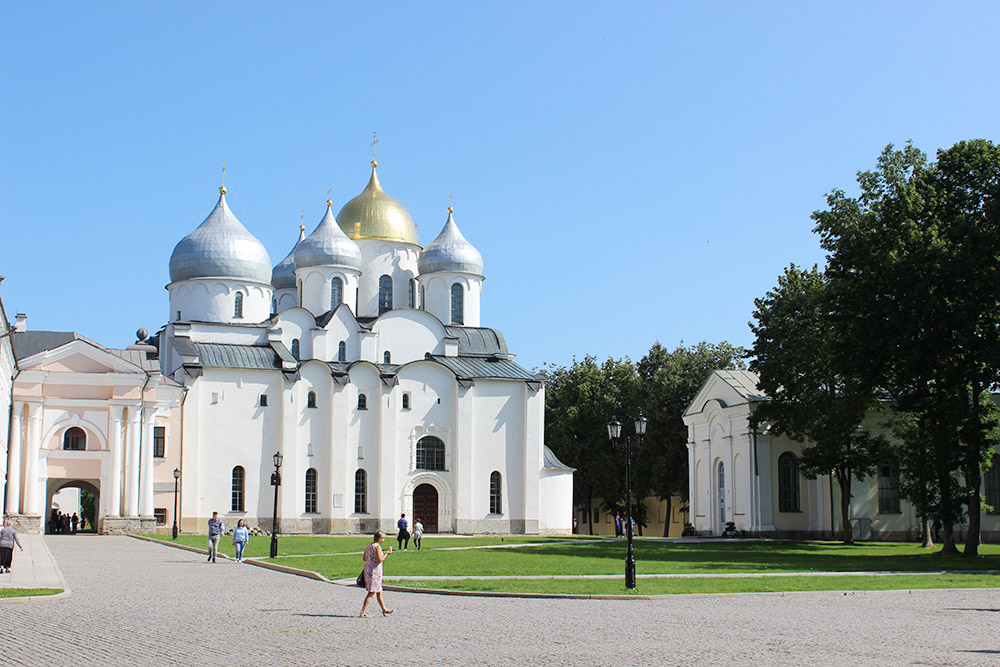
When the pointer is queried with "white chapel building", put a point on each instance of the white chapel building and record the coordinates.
(359, 357)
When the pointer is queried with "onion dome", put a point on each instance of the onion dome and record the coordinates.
(450, 252)
(221, 247)
(328, 245)
(375, 215)
(283, 275)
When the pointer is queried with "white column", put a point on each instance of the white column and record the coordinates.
(132, 464)
(146, 469)
(114, 490)
(13, 505)
(32, 499)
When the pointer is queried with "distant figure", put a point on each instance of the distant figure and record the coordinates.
(418, 533)
(373, 573)
(54, 521)
(404, 535)
(83, 523)
(241, 534)
(618, 526)
(8, 538)
(65, 523)
(75, 521)
(215, 530)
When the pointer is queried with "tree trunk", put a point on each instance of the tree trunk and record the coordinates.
(926, 535)
(590, 514)
(973, 480)
(948, 540)
(670, 515)
(844, 481)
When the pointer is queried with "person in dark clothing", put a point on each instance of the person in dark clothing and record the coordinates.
(404, 535)
(75, 521)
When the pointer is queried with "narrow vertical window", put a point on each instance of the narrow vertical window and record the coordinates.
(263, 400)
(406, 401)
(238, 309)
(311, 399)
(423, 301)
(361, 492)
(274, 306)
(75, 439)
(457, 304)
(239, 482)
(496, 506)
(384, 294)
(336, 293)
(311, 491)
(342, 351)
(362, 402)
(789, 496)
(888, 488)
(295, 348)
(159, 441)
(411, 295)
(387, 358)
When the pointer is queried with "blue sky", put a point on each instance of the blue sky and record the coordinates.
(631, 172)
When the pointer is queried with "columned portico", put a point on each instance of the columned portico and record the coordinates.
(32, 497)
(114, 496)
(132, 463)
(13, 500)
(146, 464)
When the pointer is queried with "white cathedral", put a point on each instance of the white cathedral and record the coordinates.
(359, 358)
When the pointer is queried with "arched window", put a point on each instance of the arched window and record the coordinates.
(336, 292)
(430, 453)
(788, 483)
(238, 309)
(496, 507)
(311, 491)
(361, 492)
(992, 481)
(311, 399)
(888, 488)
(423, 302)
(239, 487)
(362, 402)
(412, 294)
(386, 357)
(406, 400)
(457, 304)
(274, 306)
(384, 294)
(295, 348)
(75, 438)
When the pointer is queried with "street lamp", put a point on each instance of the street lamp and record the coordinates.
(615, 432)
(177, 476)
(275, 482)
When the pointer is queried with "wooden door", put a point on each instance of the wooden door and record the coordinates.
(425, 507)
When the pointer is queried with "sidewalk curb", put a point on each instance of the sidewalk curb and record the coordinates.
(66, 590)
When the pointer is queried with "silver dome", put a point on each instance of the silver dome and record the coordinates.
(283, 275)
(221, 247)
(450, 252)
(328, 245)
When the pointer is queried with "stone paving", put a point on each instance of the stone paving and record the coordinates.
(134, 603)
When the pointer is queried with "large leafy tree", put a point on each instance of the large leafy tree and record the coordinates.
(814, 397)
(669, 380)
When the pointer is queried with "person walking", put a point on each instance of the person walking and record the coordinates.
(404, 535)
(8, 538)
(373, 573)
(75, 521)
(241, 535)
(215, 530)
(418, 533)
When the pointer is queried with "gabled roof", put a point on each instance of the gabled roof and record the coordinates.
(728, 388)
(744, 382)
(551, 462)
(223, 355)
(30, 343)
(475, 368)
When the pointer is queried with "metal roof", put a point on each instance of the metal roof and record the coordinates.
(450, 251)
(744, 382)
(477, 341)
(222, 355)
(551, 462)
(484, 369)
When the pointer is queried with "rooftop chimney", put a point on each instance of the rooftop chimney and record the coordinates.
(22, 323)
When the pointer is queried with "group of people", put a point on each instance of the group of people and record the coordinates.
(621, 525)
(8, 538)
(403, 537)
(64, 523)
(216, 529)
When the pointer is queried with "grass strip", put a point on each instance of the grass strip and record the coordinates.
(27, 592)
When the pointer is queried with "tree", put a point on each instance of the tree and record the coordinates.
(668, 382)
(799, 355)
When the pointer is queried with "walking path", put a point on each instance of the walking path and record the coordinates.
(136, 602)
(34, 567)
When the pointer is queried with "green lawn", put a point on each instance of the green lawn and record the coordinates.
(27, 592)
(561, 556)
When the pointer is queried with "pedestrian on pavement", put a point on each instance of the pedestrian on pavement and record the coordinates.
(83, 523)
(618, 525)
(418, 533)
(404, 535)
(75, 521)
(8, 538)
(373, 573)
(215, 530)
(241, 534)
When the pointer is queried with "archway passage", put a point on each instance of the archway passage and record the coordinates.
(425, 507)
(86, 504)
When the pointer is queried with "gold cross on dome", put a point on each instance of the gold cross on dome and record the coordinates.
(374, 142)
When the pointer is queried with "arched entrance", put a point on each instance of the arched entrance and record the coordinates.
(425, 507)
(87, 507)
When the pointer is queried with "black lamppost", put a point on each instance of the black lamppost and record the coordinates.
(615, 432)
(275, 482)
(177, 476)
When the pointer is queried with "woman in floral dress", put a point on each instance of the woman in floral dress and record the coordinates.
(373, 572)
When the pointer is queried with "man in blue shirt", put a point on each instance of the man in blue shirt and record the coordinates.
(215, 530)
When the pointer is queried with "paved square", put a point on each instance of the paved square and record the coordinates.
(139, 603)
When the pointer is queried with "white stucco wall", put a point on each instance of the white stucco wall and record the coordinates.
(213, 300)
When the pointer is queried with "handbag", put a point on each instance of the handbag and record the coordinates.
(361, 579)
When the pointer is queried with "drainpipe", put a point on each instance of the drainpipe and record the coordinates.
(180, 459)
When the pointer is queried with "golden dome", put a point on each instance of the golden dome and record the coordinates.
(375, 215)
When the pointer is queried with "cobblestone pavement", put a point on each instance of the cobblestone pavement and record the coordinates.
(136, 603)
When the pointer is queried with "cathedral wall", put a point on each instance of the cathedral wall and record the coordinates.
(408, 335)
(437, 296)
(315, 284)
(397, 260)
(214, 300)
